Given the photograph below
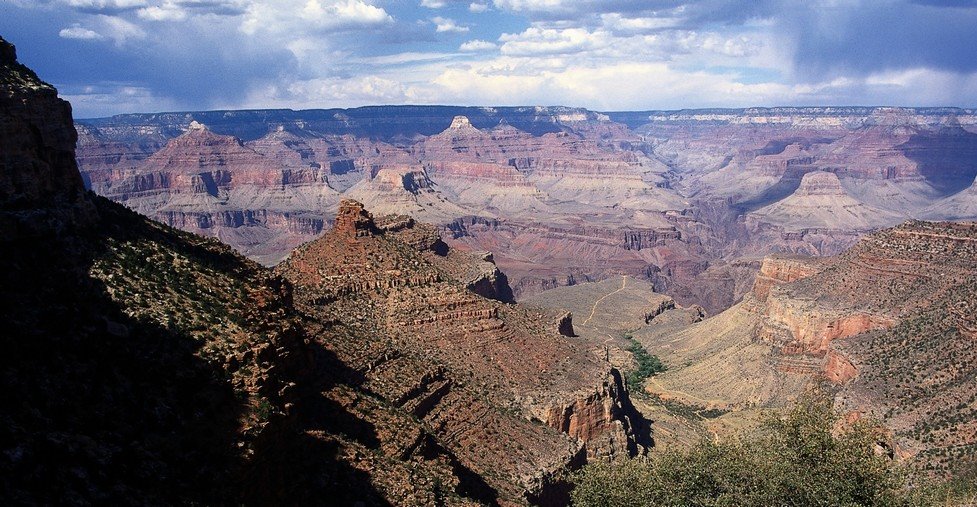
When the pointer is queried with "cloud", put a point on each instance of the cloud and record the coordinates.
(530, 5)
(298, 16)
(106, 27)
(610, 54)
(536, 40)
(105, 6)
(334, 92)
(118, 97)
(477, 45)
(618, 23)
(613, 86)
(167, 12)
(867, 37)
(448, 25)
(79, 33)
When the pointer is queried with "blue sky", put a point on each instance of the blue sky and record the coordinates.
(115, 56)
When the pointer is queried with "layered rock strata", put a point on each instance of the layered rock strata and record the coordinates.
(482, 357)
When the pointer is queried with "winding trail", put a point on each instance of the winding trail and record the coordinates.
(624, 284)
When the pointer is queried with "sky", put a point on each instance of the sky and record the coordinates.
(119, 56)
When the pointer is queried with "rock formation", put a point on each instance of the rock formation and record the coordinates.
(40, 188)
(887, 322)
(402, 283)
(819, 207)
(690, 200)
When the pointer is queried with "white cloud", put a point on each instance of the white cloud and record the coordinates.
(401, 58)
(432, 4)
(294, 17)
(79, 33)
(120, 30)
(477, 45)
(529, 5)
(617, 22)
(448, 25)
(614, 86)
(335, 92)
(98, 5)
(169, 11)
(544, 41)
(112, 28)
(477, 7)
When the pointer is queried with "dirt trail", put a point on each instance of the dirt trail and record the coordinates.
(624, 284)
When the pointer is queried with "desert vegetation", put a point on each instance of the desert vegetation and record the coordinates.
(647, 365)
(802, 456)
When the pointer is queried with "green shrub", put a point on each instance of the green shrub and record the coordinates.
(648, 365)
(793, 459)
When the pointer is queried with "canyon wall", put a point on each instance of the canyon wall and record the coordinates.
(690, 200)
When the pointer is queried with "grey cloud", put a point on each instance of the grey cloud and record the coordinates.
(877, 37)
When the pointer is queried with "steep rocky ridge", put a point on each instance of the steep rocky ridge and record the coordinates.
(134, 381)
(483, 367)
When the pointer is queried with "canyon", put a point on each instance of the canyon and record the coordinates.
(426, 305)
(689, 200)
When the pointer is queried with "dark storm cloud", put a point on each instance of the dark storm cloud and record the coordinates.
(881, 36)
(201, 71)
(197, 64)
(828, 37)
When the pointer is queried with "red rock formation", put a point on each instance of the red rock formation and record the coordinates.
(779, 270)
(838, 368)
(399, 284)
(692, 192)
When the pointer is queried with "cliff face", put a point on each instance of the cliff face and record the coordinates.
(889, 323)
(135, 379)
(39, 181)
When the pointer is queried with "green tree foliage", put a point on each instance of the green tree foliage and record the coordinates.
(798, 458)
(648, 365)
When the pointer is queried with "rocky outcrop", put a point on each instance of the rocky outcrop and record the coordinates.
(780, 270)
(838, 368)
(564, 324)
(602, 419)
(800, 327)
(40, 188)
(353, 221)
(418, 293)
